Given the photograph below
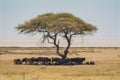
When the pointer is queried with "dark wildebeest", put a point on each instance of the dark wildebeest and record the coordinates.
(87, 63)
(55, 61)
(92, 63)
(76, 61)
(46, 61)
(17, 61)
(52, 61)
(42, 60)
(28, 60)
(25, 60)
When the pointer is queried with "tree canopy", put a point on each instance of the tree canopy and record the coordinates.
(52, 25)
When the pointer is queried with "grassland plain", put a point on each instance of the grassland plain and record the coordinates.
(107, 64)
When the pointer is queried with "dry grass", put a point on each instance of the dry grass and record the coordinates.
(107, 65)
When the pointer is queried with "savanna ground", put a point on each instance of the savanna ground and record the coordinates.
(107, 64)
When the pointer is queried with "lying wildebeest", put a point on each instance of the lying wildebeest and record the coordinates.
(90, 63)
(87, 63)
(17, 61)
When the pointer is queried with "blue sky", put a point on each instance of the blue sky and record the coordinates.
(105, 14)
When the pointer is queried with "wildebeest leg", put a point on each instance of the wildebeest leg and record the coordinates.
(25, 62)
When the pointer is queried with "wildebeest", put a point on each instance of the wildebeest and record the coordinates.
(28, 60)
(90, 63)
(41, 61)
(25, 60)
(77, 60)
(67, 61)
(52, 61)
(17, 61)
(87, 63)
(55, 61)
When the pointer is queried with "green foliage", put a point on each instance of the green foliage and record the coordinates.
(56, 23)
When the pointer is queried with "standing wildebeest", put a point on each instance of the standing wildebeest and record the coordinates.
(55, 61)
(42, 60)
(31, 60)
(25, 60)
(46, 61)
(38, 60)
(28, 60)
(76, 61)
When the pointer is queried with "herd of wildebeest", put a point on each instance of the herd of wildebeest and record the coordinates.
(52, 61)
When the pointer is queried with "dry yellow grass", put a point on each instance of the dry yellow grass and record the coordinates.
(107, 65)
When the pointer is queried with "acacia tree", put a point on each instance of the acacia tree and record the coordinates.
(52, 25)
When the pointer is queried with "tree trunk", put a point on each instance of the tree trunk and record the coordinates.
(56, 43)
(66, 51)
